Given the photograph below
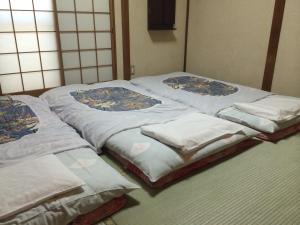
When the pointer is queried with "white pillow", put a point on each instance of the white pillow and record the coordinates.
(192, 132)
(29, 183)
(275, 107)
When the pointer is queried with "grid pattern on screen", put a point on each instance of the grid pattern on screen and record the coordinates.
(87, 40)
(49, 43)
(29, 53)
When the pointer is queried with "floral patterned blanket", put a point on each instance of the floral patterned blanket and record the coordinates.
(207, 95)
(201, 86)
(16, 120)
(102, 110)
(114, 99)
(28, 129)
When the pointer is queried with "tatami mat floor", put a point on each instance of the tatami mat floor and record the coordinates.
(260, 186)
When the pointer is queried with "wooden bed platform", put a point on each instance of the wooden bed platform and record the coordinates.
(187, 170)
(101, 213)
(279, 135)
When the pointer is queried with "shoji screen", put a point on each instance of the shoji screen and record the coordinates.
(29, 56)
(87, 40)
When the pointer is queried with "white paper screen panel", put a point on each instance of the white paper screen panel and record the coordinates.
(88, 59)
(4, 4)
(45, 21)
(21, 4)
(105, 73)
(65, 5)
(24, 21)
(52, 78)
(84, 6)
(86, 37)
(33, 81)
(7, 43)
(47, 41)
(67, 21)
(50, 60)
(5, 21)
(90, 75)
(103, 40)
(9, 63)
(43, 5)
(30, 62)
(29, 55)
(101, 6)
(11, 83)
(72, 76)
(27, 42)
(87, 40)
(71, 60)
(102, 22)
(68, 41)
(85, 22)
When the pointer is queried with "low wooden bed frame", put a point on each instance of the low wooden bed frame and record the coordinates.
(281, 134)
(101, 213)
(187, 170)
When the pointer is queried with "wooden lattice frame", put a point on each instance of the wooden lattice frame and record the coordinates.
(59, 49)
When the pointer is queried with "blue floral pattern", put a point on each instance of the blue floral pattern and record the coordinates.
(114, 99)
(16, 120)
(200, 86)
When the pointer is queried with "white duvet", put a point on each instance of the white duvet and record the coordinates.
(53, 136)
(29, 183)
(207, 104)
(276, 108)
(192, 132)
(97, 126)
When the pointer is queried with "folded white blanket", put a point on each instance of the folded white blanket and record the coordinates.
(277, 108)
(192, 132)
(26, 184)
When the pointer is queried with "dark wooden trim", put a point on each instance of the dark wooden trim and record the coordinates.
(60, 11)
(126, 39)
(94, 31)
(36, 31)
(32, 71)
(59, 48)
(57, 33)
(35, 93)
(70, 50)
(38, 43)
(95, 38)
(27, 31)
(42, 51)
(78, 42)
(16, 43)
(273, 44)
(88, 67)
(83, 31)
(113, 39)
(186, 34)
(58, 69)
(87, 49)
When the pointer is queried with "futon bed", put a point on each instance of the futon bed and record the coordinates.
(34, 143)
(223, 99)
(120, 117)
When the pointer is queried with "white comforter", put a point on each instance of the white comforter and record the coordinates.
(53, 136)
(207, 104)
(96, 125)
